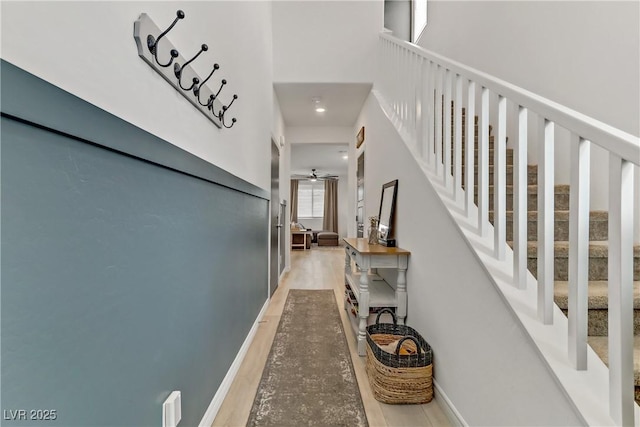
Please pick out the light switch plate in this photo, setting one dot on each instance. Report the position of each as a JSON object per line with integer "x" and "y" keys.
{"x": 172, "y": 410}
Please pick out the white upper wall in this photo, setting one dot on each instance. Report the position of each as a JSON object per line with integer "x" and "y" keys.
{"x": 87, "y": 48}
{"x": 319, "y": 134}
{"x": 582, "y": 54}
{"x": 326, "y": 41}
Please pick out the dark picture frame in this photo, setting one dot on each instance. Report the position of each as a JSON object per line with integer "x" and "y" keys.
{"x": 360, "y": 137}
{"x": 386, "y": 214}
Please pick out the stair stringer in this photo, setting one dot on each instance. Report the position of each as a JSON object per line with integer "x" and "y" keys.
{"x": 586, "y": 390}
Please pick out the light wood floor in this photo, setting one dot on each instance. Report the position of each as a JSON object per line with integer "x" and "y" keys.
{"x": 318, "y": 268}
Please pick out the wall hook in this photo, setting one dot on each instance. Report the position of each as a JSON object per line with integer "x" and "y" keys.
{"x": 194, "y": 83}
{"x": 233, "y": 122}
{"x": 196, "y": 90}
{"x": 177, "y": 69}
{"x": 222, "y": 113}
{"x": 152, "y": 43}
{"x": 224, "y": 82}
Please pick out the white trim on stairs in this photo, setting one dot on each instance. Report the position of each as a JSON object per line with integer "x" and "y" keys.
{"x": 218, "y": 398}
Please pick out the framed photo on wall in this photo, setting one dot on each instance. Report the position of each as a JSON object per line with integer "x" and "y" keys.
{"x": 360, "y": 137}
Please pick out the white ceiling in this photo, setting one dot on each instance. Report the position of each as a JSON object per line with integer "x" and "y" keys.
{"x": 343, "y": 102}
{"x": 325, "y": 158}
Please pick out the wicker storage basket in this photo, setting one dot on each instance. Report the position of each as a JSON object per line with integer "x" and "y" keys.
{"x": 397, "y": 378}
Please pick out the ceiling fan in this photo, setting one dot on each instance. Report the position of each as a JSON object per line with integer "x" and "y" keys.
{"x": 314, "y": 176}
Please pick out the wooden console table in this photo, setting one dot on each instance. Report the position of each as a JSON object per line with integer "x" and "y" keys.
{"x": 368, "y": 288}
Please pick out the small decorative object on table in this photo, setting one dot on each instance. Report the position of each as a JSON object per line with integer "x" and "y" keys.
{"x": 373, "y": 230}
{"x": 404, "y": 375}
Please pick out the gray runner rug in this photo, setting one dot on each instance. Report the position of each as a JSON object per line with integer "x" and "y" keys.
{"x": 309, "y": 379}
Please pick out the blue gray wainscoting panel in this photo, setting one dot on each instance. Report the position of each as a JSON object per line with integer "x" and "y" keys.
{"x": 130, "y": 268}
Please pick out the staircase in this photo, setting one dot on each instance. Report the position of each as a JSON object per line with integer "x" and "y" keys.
{"x": 413, "y": 87}
{"x": 598, "y": 251}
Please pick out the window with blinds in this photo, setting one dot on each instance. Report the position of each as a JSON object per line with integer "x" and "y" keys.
{"x": 310, "y": 199}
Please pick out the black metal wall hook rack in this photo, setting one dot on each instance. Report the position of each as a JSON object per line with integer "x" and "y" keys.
{"x": 197, "y": 92}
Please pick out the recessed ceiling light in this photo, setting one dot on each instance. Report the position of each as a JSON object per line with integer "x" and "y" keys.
{"x": 318, "y": 105}
{"x": 345, "y": 157}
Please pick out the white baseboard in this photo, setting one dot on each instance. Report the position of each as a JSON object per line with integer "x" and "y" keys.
{"x": 217, "y": 400}
{"x": 447, "y": 407}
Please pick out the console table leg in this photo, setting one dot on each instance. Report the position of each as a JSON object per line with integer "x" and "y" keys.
{"x": 401, "y": 295}
{"x": 363, "y": 313}
{"x": 347, "y": 270}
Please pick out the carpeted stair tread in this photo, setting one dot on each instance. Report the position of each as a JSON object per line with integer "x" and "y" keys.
{"x": 560, "y": 198}
{"x": 531, "y": 189}
{"x": 532, "y": 174}
{"x": 597, "y": 265}
{"x": 597, "y": 249}
{"x": 559, "y": 215}
{"x": 601, "y": 346}
{"x": 598, "y": 294}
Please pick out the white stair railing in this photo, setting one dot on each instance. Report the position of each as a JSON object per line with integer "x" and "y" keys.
{"x": 419, "y": 86}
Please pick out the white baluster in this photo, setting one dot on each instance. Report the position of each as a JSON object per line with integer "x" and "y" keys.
{"x": 400, "y": 82}
{"x": 483, "y": 164}
{"x": 520, "y": 191}
{"x": 621, "y": 385}
{"x": 420, "y": 110}
{"x": 579, "y": 251}
{"x": 457, "y": 151}
{"x": 384, "y": 65}
{"x": 396, "y": 79}
{"x": 407, "y": 89}
{"x": 546, "y": 220}
{"x": 500, "y": 182}
{"x": 426, "y": 107}
{"x": 404, "y": 79}
{"x": 469, "y": 150}
{"x": 433, "y": 69}
{"x": 417, "y": 90}
{"x": 413, "y": 94}
{"x": 438, "y": 123}
{"x": 446, "y": 108}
